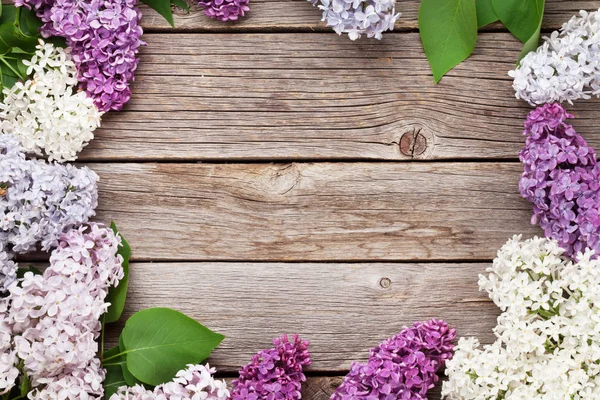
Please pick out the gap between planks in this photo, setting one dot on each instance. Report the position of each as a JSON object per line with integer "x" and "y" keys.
{"x": 342, "y": 309}
{"x": 314, "y": 212}
{"x": 266, "y": 97}
{"x": 300, "y": 15}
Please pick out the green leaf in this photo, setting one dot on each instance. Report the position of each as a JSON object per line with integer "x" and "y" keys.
{"x": 521, "y": 17}
{"x": 29, "y": 23}
{"x": 114, "y": 374}
{"x": 448, "y": 31}
{"x": 117, "y": 295}
{"x": 129, "y": 378}
{"x": 181, "y": 4}
{"x": 158, "y": 342}
{"x": 532, "y": 43}
{"x": 10, "y": 33}
{"x": 485, "y": 13}
{"x": 163, "y": 7}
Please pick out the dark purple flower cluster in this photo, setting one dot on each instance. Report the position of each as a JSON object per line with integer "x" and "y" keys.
{"x": 105, "y": 38}
{"x": 561, "y": 179}
{"x": 225, "y": 10}
{"x": 402, "y": 367}
{"x": 274, "y": 374}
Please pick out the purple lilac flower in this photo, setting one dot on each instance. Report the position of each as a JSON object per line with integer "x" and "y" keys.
{"x": 105, "y": 38}
{"x": 274, "y": 374}
{"x": 562, "y": 179}
{"x": 40, "y": 201}
{"x": 225, "y": 10}
{"x": 402, "y": 367}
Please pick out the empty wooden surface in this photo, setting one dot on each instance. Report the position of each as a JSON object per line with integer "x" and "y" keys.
{"x": 273, "y": 177}
{"x": 279, "y": 97}
{"x": 314, "y": 211}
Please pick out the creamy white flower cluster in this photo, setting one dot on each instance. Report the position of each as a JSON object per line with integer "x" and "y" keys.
{"x": 49, "y": 323}
{"x": 566, "y": 67}
{"x": 47, "y": 113}
{"x": 358, "y": 17}
{"x": 195, "y": 382}
{"x": 8, "y": 269}
{"x": 548, "y": 335}
{"x": 39, "y": 201}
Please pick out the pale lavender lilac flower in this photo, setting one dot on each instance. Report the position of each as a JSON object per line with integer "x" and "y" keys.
{"x": 52, "y": 320}
{"x": 195, "y": 382}
{"x": 105, "y": 38}
{"x": 39, "y": 201}
{"x": 562, "y": 179}
{"x": 358, "y": 17}
{"x": 225, "y": 10}
{"x": 274, "y": 374}
{"x": 402, "y": 367}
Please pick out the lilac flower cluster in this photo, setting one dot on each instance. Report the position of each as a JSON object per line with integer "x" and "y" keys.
{"x": 38, "y": 202}
{"x": 274, "y": 373}
{"x": 402, "y": 367}
{"x": 105, "y": 38}
{"x": 359, "y": 17}
{"x": 49, "y": 323}
{"x": 225, "y": 10}
{"x": 562, "y": 179}
{"x": 195, "y": 382}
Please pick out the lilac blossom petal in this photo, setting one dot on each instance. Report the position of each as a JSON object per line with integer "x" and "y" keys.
{"x": 225, "y": 10}
{"x": 562, "y": 179}
{"x": 104, "y": 36}
{"x": 402, "y": 367}
{"x": 274, "y": 373}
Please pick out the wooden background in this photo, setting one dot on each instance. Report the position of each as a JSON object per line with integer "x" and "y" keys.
{"x": 273, "y": 177}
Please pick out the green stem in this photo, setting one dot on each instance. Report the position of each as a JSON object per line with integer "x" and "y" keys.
{"x": 113, "y": 364}
{"x": 12, "y": 69}
{"x": 102, "y": 337}
{"x": 115, "y": 356}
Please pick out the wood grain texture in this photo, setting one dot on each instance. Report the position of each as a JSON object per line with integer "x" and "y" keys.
{"x": 322, "y": 387}
{"x": 343, "y": 309}
{"x": 299, "y": 15}
{"x": 280, "y": 97}
{"x": 306, "y": 212}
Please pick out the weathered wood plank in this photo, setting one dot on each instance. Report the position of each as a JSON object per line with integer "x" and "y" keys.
{"x": 343, "y": 309}
{"x": 279, "y": 96}
{"x": 300, "y": 15}
{"x": 322, "y": 387}
{"x": 314, "y": 212}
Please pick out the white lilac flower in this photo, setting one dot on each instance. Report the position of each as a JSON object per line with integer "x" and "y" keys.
{"x": 8, "y": 356}
{"x": 8, "y": 269}
{"x": 195, "y": 382}
{"x": 49, "y": 323}
{"x": 566, "y": 67}
{"x": 47, "y": 113}
{"x": 358, "y": 17}
{"x": 39, "y": 201}
{"x": 548, "y": 335}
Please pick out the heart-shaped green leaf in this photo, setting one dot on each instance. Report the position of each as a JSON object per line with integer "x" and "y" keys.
{"x": 158, "y": 342}
{"x": 117, "y": 295}
{"x": 448, "y": 31}
{"x": 485, "y": 13}
{"x": 521, "y": 17}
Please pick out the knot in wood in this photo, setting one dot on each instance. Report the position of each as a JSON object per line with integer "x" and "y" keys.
{"x": 413, "y": 143}
{"x": 385, "y": 283}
